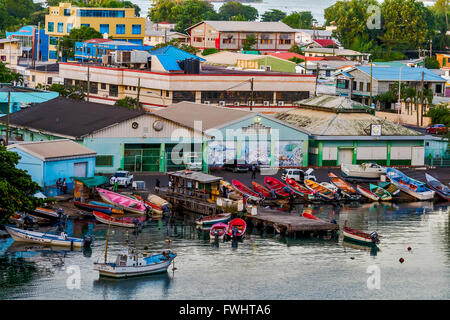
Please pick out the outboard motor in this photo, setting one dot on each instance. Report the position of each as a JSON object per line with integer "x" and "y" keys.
{"x": 374, "y": 237}
{"x": 28, "y": 220}
{"x": 87, "y": 241}
{"x": 216, "y": 236}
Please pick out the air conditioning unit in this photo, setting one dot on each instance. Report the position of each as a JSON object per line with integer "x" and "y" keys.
{"x": 222, "y": 103}
{"x": 206, "y": 102}
{"x": 251, "y": 103}
{"x": 237, "y": 104}
{"x": 266, "y": 103}
{"x": 281, "y": 103}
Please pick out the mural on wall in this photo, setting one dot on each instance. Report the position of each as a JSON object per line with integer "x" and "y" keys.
{"x": 290, "y": 154}
{"x": 256, "y": 152}
{"x": 219, "y": 151}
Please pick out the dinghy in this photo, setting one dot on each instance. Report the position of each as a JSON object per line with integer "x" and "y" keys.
{"x": 297, "y": 188}
{"x": 107, "y": 209}
{"x": 126, "y": 222}
{"x": 236, "y": 228}
{"x": 208, "y": 221}
{"x": 346, "y": 189}
{"x": 44, "y": 238}
{"x": 383, "y": 194}
{"x": 367, "y": 193}
{"x": 158, "y": 204}
{"x": 277, "y": 186}
{"x": 123, "y": 202}
{"x": 243, "y": 189}
{"x": 441, "y": 189}
{"x": 389, "y": 187}
{"x": 329, "y": 186}
{"x": 262, "y": 190}
{"x": 360, "y": 236}
{"x": 409, "y": 185}
{"x": 217, "y": 231}
{"x": 45, "y": 213}
{"x": 367, "y": 170}
{"x": 319, "y": 190}
{"x": 310, "y": 216}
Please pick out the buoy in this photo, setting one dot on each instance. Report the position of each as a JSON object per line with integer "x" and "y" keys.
{"x": 409, "y": 248}
{"x": 352, "y": 258}
{"x": 401, "y": 260}
{"x": 168, "y": 241}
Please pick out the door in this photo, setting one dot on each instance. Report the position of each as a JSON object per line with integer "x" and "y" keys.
{"x": 418, "y": 156}
{"x": 80, "y": 169}
{"x": 345, "y": 156}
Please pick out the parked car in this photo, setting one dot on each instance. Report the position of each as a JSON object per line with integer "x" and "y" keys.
{"x": 298, "y": 175}
{"x": 193, "y": 162}
{"x": 125, "y": 178}
{"x": 437, "y": 129}
{"x": 236, "y": 166}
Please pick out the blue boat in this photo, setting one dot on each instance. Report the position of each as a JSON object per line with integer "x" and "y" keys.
{"x": 411, "y": 186}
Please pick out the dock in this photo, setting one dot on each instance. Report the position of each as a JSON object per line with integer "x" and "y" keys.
{"x": 291, "y": 225}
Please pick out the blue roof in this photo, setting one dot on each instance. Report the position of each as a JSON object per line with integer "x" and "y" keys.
{"x": 176, "y": 53}
{"x": 168, "y": 62}
{"x": 407, "y": 73}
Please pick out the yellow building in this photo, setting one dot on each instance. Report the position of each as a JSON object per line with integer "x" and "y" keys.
{"x": 10, "y": 52}
{"x": 444, "y": 60}
{"x": 117, "y": 23}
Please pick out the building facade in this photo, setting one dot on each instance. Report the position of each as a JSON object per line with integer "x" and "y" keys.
{"x": 33, "y": 41}
{"x": 10, "y": 52}
{"x": 117, "y": 23}
{"x": 94, "y": 49}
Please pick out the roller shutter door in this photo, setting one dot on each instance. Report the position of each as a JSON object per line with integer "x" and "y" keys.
{"x": 371, "y": 153}
{"x": 400, "y": 153}
{"x": 329, "y": 153}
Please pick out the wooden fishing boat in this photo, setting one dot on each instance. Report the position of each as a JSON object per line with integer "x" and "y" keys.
{"x": 43, "y": 238}
{"x": 297, "y": 188}
{"x": 383, "y": 194}
{"x": 367, "y": 170}
{"x": 441, "y": 189}
{"x": 389, "y": 187}
{"x": 126, "y": 222}
{"x": 319, "y": 190}
{"x": 262, "y": 190}
{"x": 208, "y": 221}
{"x": 45, "y": 213}
{"x": 409, "y": 185}
{"x": 346, "y": 189}
{"x": 360, "y": 236}
{"x": 329, "y": 186}
{"x": 158, "y": 204}
{"x": 277, "y": 186}
{"x": 123, "y": 202}
{"x": 236, "y": 228}
{"x": 310, "y": 216}
{"x": 367, "y": 193}
{"x": 242, "y": 188}
{"x": 131, "y": 263}
{"x": 107, "y": 209}
{"x": 218, "y": 230}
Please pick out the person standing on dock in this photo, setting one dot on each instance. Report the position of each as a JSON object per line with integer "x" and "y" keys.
{"x": 253, "y": 171}
{"x": 64, "y": 186}
{"x": 116, "y": 184}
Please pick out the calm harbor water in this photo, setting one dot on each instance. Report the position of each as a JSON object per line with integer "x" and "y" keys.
{"x": 264, "y": 266}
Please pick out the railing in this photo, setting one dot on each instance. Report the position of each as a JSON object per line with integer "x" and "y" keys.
{"x": 438, "y": 161}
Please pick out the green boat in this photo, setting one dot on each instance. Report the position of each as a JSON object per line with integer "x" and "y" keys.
{"x": 380, "y": 192}
{"x": 389, "y": 187}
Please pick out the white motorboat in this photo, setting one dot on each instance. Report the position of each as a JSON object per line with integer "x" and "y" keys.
{"x": 367, "y": 170}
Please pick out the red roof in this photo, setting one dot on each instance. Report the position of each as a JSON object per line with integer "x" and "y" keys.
{"x": 324, "y": 42}
{"x": 290, "y": 55}
{"x": 97, "y": 40}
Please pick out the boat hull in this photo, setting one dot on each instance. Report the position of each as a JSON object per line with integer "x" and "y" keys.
{"x": 358, "y": 239}
{"x": 438, "y": 187}
{"x": 210, "y": 222}
{"x": 243, "y": 189}
{"x": 368, "y": 194}
{"x": 41, "y": 238}
{"x": 395, "y": 176}
{"x": 104, "y": 195}
{"x": 109, "y": 220}
{"x": 108, "y": 270}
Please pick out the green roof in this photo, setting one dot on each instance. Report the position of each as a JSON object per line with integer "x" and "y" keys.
{"x": 92, "y": 181}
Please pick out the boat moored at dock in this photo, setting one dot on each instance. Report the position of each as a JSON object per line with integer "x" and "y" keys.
{"x": 441, "y": 189}
{"x": 367, "y": 170}
{"x": 122, "y": 201}
{"x": 411, "y": 186}
{"x": 367, "y": 193}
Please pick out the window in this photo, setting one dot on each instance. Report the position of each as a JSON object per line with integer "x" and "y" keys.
{"x": 327, "y": 73}
{"x": 198, "y": 39}
{"x": 69, "y": 27}
{"x": 355, "y": 83}
{"x": 113, "y": 90}
{"x": 68, "y": 82}
{"x": 49, "y": 80}
{"x": 136, "y": 29}
{"x": 285, "y": 41}
{"x": 179, "y": 96}
{"x": 67, "y": 12}
{"x": 361, "y": 86}
{"x": 103, "y": 86}
{"x": 229, "y": 41}
{"x": 52, "y": 55}
{"x": 368, "y": 86}
{"x": 104, "y": 161}
{"x": 101, "y": 13}
{"x": 33, "y": 78}
{"x": 54, "y": 41}
{"x": 93, "y": 86}
{"x": 50, "y": 27}
{"x": 342, "y": 84}
{"x": 120, "y": 29}
{"x": 438, "y": 88}
{"x": 60, "y": 27}
{"x": 104, "y": 28}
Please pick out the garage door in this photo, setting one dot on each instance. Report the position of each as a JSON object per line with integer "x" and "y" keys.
{"x": 345, "y": 156}
{"x": 80, "y": 169}
{"x": 400, "y": 153}
{"x": 329, "y": 153}
{"x": 418, "y": 156}
{"x": 371, "y": 153}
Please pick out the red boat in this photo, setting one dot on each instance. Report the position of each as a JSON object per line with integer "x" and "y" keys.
{"x": 262, "y": 190}
{"x": 308, "y": 215}
{"x": 299, "y": 189}
{"x": 277, "y": 186}
{"x": 236, "y": 224}
{"x": 242, "y": 188}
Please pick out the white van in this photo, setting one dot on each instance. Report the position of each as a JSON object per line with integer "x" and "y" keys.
{"x": 298, "y": 174}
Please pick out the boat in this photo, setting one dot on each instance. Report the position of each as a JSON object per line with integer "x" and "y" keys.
{"x": 297, "y": 188}
{"x": 218, "y": 230}
{"x": 130, "y": 263}
{"x": 262, "y": 190}
{"x": 231, "y": 191}
{"x": 126, "y": 222}
{"x": 243, "y": 189}
{"x": 441, "y": 189}
{"x": 103, "y": 204}
{"x": 383, "y": 194}
{"x": 346, "y": 189}
{"x": 158, "y": 204}
{"x": 277, "y": 186}
{"x": 389, "y": 187}
{"x": 367, "y": 170}
{"x": 44, "y": 237}
{"x": 123, "y": 202}
{"x": 360, "y": 236}
{"x": 107, "y": 209}
{"x": 329, "y": 186}
{"x": 319, "y": 190}
{"x": 45, "y": 213}
{"x": 367, "y": 193}
{"x": 409, "y": 185}
{"x": 236, "y": 228}
{"x": 208, "y": 221}
{"x": 310, "y": 216}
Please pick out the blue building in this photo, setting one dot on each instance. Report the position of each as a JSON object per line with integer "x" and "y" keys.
{"x": 94, "y": 49}
{"x": 29, "y": 37}
{"x": 47, "y": 161}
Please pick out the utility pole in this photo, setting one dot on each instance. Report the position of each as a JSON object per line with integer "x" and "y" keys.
{"x": 421, "y": 103}
{"x": 306, "y": 71}
{"x": 370, "y": 97}
{"x": 431, "y": 47}
{"x": 7, "y": 118}
{"x": 317, "y": 77}
{"x": 38, "y": 39}
{"x": 251, "y": 96}
{"x": 88, "y": 84}
{"x": 138, "y": 92}
{"x": 399, "y": 95}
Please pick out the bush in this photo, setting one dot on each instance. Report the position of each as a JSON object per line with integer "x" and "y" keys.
{"x": 209, "y": 51}
{"x": 432, "y": 63}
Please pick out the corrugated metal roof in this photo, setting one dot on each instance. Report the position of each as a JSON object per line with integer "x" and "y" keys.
{"x": 247, "y": 26}
{"x": 168, "y": 62}
{"x": 407, "y": 73}
{"x": 178, "y": 54}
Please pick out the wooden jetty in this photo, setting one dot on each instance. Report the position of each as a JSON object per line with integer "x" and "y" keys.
{"x": 291, "y": 225}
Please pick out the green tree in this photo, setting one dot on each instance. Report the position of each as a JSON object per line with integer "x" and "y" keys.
{"x": 440, "y": 114}
{"x": 231, "y": 9}
{"x": 208, "y": 51}
{"x": 432, "y": 63}
{"x": 67, "y": 44}
{"x": 162, "y": 11}
{"x": 273, "y": 15}
{"x": 71, "y": 92}
{"x": 295, "y": 48}
{"x": 16, "y": 187}
{"x": 129, "y": 103}
{"x": 239, "y": 17}
{"x": 249, "y": 42}
{"x": 300, "y": 20}
{"x": 8, "y": 76}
